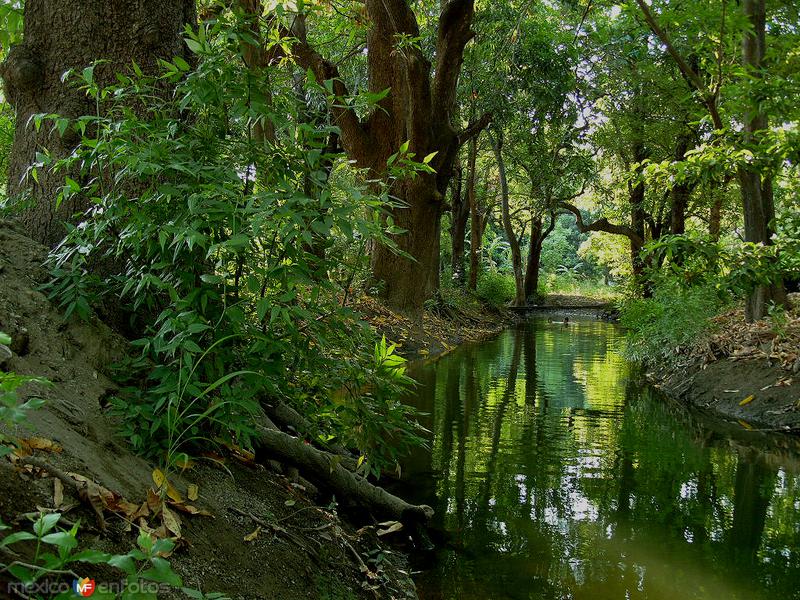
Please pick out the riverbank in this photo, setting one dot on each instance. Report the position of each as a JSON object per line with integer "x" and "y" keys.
{"x": 440, "y": 331}
{"x": 242, "y": 524}
{"x": 745, "y": 372}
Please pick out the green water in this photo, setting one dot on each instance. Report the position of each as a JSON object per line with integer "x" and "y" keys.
{"x": 556, "y": 474}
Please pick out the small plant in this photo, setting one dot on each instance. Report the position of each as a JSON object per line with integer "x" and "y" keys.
{"x": 495, "y": 289}
{"x": 12, "y": 411}
{"x": 778, "y": 320}
{"x": 54, "y": 557}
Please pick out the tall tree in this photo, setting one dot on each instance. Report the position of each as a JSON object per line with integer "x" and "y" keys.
{"x": 757, "y": 196}
{"x": 418, "y": 109}
{"x": 58, "y": 37}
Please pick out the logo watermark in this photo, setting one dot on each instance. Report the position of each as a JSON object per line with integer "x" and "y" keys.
{"x": 84, "y": 587}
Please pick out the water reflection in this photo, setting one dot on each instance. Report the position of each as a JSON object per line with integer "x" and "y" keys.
{"x": 555, "y": 475}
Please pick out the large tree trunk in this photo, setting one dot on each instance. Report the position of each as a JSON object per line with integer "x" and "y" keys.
{"x": 511, "y": 236}
{"x": 408, "y": 283}
{"x": 418, "y": 110}
{"x": 636, "y": 200}
{"x": 715, "y": 214}
{"x": 459, "y": 215}
{"x": 680, "y": 193}
{"x": 65, "y": 35}
{"x": 757, "y": 200}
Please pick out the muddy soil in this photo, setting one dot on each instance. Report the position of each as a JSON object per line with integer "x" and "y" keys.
{"x": 303, "y": 549}
{"x": 725, "y": 387}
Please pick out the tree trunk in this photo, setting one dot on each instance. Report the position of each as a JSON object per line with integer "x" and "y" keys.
{"x": 476, "y": 225}
{"x": 65, "y": 35}
{"x": 680, "y": 193}
{"x": 538, "y": 236}
{"x": 636, "y": 200}
{"x": 516, "y": 255}
{"x": 408, "y": 283}
{"x": 715, "y": 214}
{"x": 757, "y": 200}
{"x": 459, "y": 214}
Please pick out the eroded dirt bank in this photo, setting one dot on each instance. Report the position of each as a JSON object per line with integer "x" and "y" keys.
{"x": 255, "y": 534}
{"x": 749, "y": 373}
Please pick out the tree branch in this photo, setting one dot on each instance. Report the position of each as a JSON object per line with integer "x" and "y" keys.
{"x": 455, "y": 31}
{"x": 355, "y": 138}
{"x": 710, "y": 100}
{"x": 602, "y": 225}
{"x": 474, "y": 128}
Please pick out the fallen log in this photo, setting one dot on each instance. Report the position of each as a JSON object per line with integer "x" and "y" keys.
{"x": 325, "y": 469}
{"x": 291, "y": 419}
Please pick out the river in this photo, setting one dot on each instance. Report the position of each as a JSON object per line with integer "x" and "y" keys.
{"x": 556, "y": 473}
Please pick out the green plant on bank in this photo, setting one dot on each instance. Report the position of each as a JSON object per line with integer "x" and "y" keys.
{"x": 778, "y": 320}
{"x": 54, "y": 558}
{"x": 495, "y": 288}
{"x": 12, "y": 412}
{"x": 674, "y": 317}
{"x": 219, "y": 248}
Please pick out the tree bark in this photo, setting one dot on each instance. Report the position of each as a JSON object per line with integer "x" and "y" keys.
{"x": 715, "y": 216}
{"x": 757, "y": 200}
{"x": 681, "y": 192}
{"x": 511, "y": 236}
{"x": 65, "y": 35}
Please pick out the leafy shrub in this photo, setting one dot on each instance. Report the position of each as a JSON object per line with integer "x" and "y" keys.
{"x": 142, "y": 565}
{"x": 674, "y": 317}
{"x": 495, "y": 289}
{"x": 221, "y": 245}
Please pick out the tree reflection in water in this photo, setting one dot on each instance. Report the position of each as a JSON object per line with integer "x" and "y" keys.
{"x": 556, "y": 474}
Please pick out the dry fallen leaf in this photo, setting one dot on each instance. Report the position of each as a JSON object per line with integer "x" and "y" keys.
{"x": 58, "y": 492}
{"x": 252, "y": 535}
{"x": 192, "y": 491}
{"x": 747, "y": 400}
{"x": 396, "y": 526}
{"x": 39, "y": 443}
{"x": 190, "y": 509}
{"x": 161, "y": 483}
{"x": 172, "y": 522}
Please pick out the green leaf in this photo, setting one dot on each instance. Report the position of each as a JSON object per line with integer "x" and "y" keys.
{"x": 61, "y": 539}
{"x": 162, "y": 572}
{"x": 124, "y": 563}
{"x": 20, "y": 536}
{"x": 45, "y": 523}
{"x": 91, "y": 557}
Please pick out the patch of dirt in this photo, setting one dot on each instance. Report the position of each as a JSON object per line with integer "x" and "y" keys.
{"x": 567, "y": 301}
{"x": 749, "y": 372}
{"x": 301, "y": 550}
{"x": 438, "y": 333}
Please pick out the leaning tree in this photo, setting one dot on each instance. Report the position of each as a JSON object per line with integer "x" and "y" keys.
{"x": 72, "y": 35}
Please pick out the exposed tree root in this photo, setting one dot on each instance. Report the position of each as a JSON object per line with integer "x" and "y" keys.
{"x": 326, "y": 469}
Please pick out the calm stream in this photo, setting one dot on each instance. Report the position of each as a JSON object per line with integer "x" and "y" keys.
{"x": 556, "y": 474}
